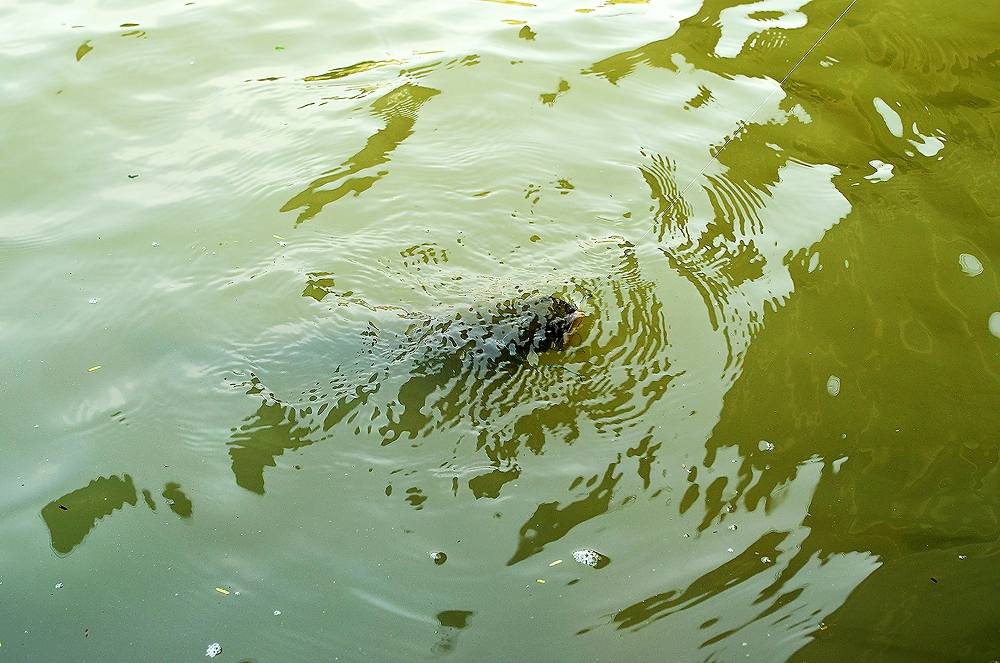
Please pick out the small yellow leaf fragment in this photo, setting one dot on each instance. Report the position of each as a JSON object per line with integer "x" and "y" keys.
{"x": 85, "y": 48}
{"x": 94, "y": 368}
{"x": 540, "y": 581}
{"x": 224, "y": 592}
{"x": 277, "y": 237}
{"x": 556, "y": 563}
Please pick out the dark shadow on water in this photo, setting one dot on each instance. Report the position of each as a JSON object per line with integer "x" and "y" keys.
{"x": 399, "y": 109}
{"x": 551, "y": 522}
{"x": 177, "y": 500}
{"x": 70, "y": 518}
{"x": 73, "y": 516}
{"x": 451, "y": 621}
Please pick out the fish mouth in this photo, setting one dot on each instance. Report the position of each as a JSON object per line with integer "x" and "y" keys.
{"x": 575, "y": 322}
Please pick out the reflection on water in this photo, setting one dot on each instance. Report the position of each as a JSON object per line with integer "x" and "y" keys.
{"x": 727, "y": 229}
{"x": 451, "y": 622}
{"x": 399, "y": 110}
{"x": 71, "y": 518}
{"x": 775, "y": 415}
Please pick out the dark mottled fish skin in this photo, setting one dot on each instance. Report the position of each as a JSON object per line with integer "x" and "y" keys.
{"x": 509, "y": 331}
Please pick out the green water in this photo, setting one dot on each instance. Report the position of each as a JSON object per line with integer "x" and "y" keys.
{"x": 230, "y": 231}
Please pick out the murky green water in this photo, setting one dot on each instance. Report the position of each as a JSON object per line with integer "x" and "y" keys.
{"x": 247, "y": 251}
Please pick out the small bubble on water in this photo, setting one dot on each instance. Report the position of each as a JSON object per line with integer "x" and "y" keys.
{"x": 994, "y": 324}
{"x": 59, "y": 585}
{"x": 155, "y": 244}
{"x": 277, "y": 612}
{"x": 733, "y": 527}
{"x": 765, "y": 559}
{"x": 833, "y": 385}
{"x": 963, "y": 556}
{"x": 93, "y": 300}
{"x": 764, "y": 445}
{"x": 970, "y": 264}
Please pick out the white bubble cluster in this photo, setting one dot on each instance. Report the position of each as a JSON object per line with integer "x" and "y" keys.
{"x": 588, "y": 557}
{"x": 213, "y": 650}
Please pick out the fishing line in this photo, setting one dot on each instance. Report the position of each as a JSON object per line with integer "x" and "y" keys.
{"x": 715, "y": 157}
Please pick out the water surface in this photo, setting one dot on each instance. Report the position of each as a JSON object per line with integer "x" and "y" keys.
{"x": 239, "y": 243}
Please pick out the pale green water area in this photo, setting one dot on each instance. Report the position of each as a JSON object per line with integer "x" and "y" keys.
{"x": 257, "y": 261}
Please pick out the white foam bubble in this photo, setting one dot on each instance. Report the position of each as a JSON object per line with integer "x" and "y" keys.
{"x": 970, "y": 264}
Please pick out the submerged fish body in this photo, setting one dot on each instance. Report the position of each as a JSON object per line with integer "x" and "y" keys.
{"x": 431, "y": 374}
{"x": 509, "y": 331}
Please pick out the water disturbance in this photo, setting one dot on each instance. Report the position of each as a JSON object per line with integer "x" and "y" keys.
{"x": 672, "y": 326}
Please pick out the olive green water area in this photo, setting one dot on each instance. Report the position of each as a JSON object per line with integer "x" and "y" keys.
{"x": 257, "y": 261}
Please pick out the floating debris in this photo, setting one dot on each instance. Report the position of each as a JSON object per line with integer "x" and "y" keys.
{"x": 223, "y": 591}
{"x": 540, "y": 581}
{"x": 84, "y": 48}
{"x": 94, "y": 368}
{"x": 213, "y": 650}
{"x": 833, "y": 385}
{"x": 970, "y": 264}
{"x": 764, "y": 445}
{"x": 765, "y": 559}
{"x": 555, "y": 563}
{"x": 132, "y": 176}
{"x": 994, "y": 324}
{"x": 592, "y": 558}
{"x": 439, "y": 557}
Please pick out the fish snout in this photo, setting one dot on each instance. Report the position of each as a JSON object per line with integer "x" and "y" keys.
{"x": 576, "y": 319}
